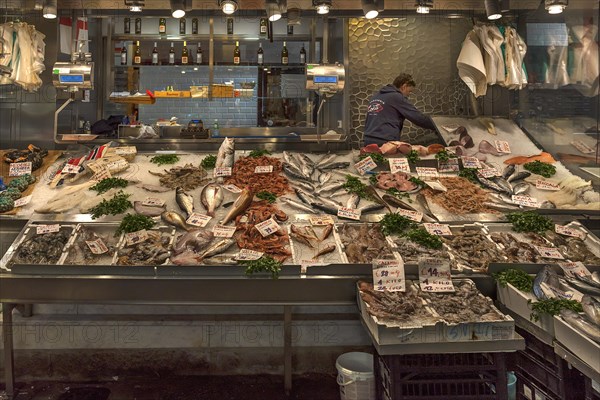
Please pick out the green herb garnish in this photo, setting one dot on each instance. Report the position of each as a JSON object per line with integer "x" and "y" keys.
{"x": 108, "y": 183}
{"x": 413, "y": 157}
{"x": 541, "y": 168}
{"x": 444, "y": 156}
{"x": 268, "y": 196}
{"x": 552, "y": 307}
{"x": 117, "y": 205}
{"x": 209, "y": 162}
{"x": 395, "y": 224}
{"x": 354, "y": 185}
{"x": 400, "y": 195}
{"x": 416, "y": 181}
{"x": 263, "y": 264}
{"x": 470, "y": 174}
{"x": 516, "y": 277}
{"x": 165, "y": 159}
{"x": 373, "y": 179}
{"x": 259, "y": 153}
{"x": 421, "y": 236}
{"x": 134, "y": 223}
{"x": 529, "y": 221}
{"x": 376, "y": 157}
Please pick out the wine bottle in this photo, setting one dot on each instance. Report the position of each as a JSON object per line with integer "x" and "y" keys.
{"x": 137, "y": 55}
{"x": 194, "y": 26}
{"x": 230, "y": 26}
{"x": 182, "y": 26}
{"x": 162, "y": 25}
{"x": 290, "y": 29}
{"x": 172, "y": 55}
{"x": 284, "y": 55}
{"x": 184, "y": 54}
{"x": 124, "y": 54}
{"x": 236, "y": 53}
{"x": 302, "y": 55}
{"x": 127, "y": 26}
{"x": 138, "y": 26}
{"x": 199, "y": 54}
{"x": 261, "y": 54}
{"x": 263, "y": 26}
{"x": 155, "y": 55}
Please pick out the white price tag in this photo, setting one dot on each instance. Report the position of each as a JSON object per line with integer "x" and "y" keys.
{"x": 267, "y": 227}
{"x": 438, "y": 229}
{"x": 488, "y": 172}
{"x": 470, "y": 162}
{"x": 427, "y": 172}
{"x": 410, "y": 214}
{"x": 574, "y": 269}
{"x": 222, "y": 171}
{"x": 97, "y": 246}
{"x": 19, "y": 168}
{"x": 549, "y": 252}
{"x": 118, "y": 165}
{"x": 153, "y": 201}
{"x": 23, "y": 201}
{"x": 546, "y": 185}
{"x": 232, "y": 188}
{"x": 197, "y": 219}
{"x": 566, "y": 231}
{"x": 102, "y": 173}
{"x": 223, "y": 231}
{"x": 71, "y": 169}
{"x": 526, "y": 201}
{"x": 436, "y": 185}
{"x": 502, "y": 146}
{"x": 399, "y": 165}
{"x": 133, "y": 238}
{"x": 43, "y": 229}
{"x": 248, "y": 255}
{"x": 435, "y": 276}
{"x": 364, "y": 165}
{"x": 263, "y": 169}
{"x": 125, "y": 150}
{"x": 350, "y": 213}
{"x": 582, "y": 147}
{"x": 389, "y": 275}
{"x": 448, "y": 166}
{"x": 321, "y": 220}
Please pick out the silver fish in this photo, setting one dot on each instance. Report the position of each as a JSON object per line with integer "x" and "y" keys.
{"x": 587, "y": 279}
{"x": 545, "y": 284}
{"x": 326, "y": 160}
{"x": 304, "y": 196}
{"x": 591, "y": 308}
{"x": 217, "y": 248}
{"x": 501, "y": 198}
{"x": 581, "y": 325}
{"x": 501, "y": 207}
{"x": 175, "y": 219}
{"x": 198, "y": 237}
{"x": 306, "y": 160}
{"x": 596, "y": 276}
{"x": 149, "y": 211}
{"x": 330, "y": 202}
{"x": 295, "y": 204}
{"x": 291, "y": 160}
{"x": 295, "y": 173}
{"x": 396, "y": 202}
{"x": 582, "y": 286}
{"x": 371, "y": 207}
{"x": 330, "y": 187}
{"x": 324, "y": 207}
{"x": 508, "y": 171}
{"x": 520, "y": 188}
{"x": 219, "y": 260}
{"x": 336, "y": 165}
{"x": 303, "y": 185}
{"x": 211, "y": 198}
{"x": 239, "y": 206}
{"x": 338, "y": 193}
{"x": 324, "y": 177}
{"x": 491, "y": 185}
{"x": 155, "y": 188}
{"x": 517, "y": 176}
{"x": 226, "y": 154}
{"x": 503, "y": 183}
{"x": 184, "y": 201}
{"x": 353, "y": 201}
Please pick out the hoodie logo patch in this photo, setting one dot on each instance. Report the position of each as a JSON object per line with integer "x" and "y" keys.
{"x": 375, "y": 107}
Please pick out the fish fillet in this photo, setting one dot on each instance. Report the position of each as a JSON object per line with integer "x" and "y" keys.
{"x": 519, "y": 160}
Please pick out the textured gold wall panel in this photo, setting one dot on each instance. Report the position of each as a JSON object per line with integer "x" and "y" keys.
{"x": 426, "y": 47}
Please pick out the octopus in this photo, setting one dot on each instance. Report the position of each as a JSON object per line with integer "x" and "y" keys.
{"x": 399, "y": 181}
{"x": 153, "y": 251}
{"x": 473, "y": 249}
{"x": 80, "y": 252}
{"x": 411, "y": 252}
{"x": 573, "y": 248}
{"x": 364, "y": 243}
{"x": 462, "y": 197}
{"x": 248, "y": 237}
{"x": 187, "y": 177}
{"x": 244, "y": 175}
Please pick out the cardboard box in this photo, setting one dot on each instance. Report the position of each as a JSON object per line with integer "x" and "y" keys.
{"x": 222, "y": 90}
{"x": 579, "y": 344}
{"x": 518, "y": 302}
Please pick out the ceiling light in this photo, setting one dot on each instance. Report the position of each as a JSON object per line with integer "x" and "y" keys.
{"x": 369, "y": 9}
{"x": 50, "y": 10}
{"x": 228, "y": 6}
{"x": 424, "y": 6}
{"x": 492, "y": 9}
{"x": 177, "y": 8}
{"x": 135, "y": 5}
{"x": 504, "y": 6}
{"x": 556, "y": 6}
{"x": 273, "y": 12}
{"x": 322, "y": 6}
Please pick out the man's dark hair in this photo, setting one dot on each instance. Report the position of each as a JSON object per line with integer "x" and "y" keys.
{"x": 402, "y": 79}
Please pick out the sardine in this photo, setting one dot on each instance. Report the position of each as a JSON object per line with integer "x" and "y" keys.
{"x": 303, "y": 185}
{"x": 239, "y": 206}
{"x": 326, "y": 160}
{"x": 211, "y": 198}
{"x": 295, "y": 204}
{"x": 325, "y": 250}
{"x": 149, "y": 211}
{"x": 517, "y": 176}
{"x": 326, "y": 232}
{"x": 591, "y": 308}
{"x": 175, "y": 219}
{"x": 199, "y": 238}
{"x": 580, "y": 324}
{"x": 371, "y": 207}
{"x": 304, "y": 196}
{"x": 155, "y": 188}
{"x": 503, "y": 183}
{"x": 521, "y": 188}
{"x": 353, "y": 201}
{"x": 217, "y": 248}
{"x": 291, "y": 160}
{"x": 508, "y": 171}
{"x": 492, "y": 185}
{"x": 330, "y": 187}
{"x": 184, "y": 201}
{"x": 324, "y": 177}
{"x": 295, "y": 173}
{"x": 304, "y": 159}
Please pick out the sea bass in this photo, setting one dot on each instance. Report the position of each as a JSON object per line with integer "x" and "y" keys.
{"x": 211, "y": 198}
{"x": 226, "y": 154}
{"x": 184, "y": 201}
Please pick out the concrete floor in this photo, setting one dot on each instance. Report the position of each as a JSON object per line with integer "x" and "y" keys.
{"x": 263, "y": 387}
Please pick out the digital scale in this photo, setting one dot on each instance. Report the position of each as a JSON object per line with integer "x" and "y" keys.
{"x": 327, "y": 80}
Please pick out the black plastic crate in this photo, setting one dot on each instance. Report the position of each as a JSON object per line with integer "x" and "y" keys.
{"x": 463, "y": 376}
{"x": 590, "y": 392}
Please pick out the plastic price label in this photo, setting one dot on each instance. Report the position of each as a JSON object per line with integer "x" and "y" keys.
{"x": 97, "y": 246}
{"x": 153, "y": 202}
{"x": 223, "y": 231}
{"x": 546, "y": 185}
{"x": 526, "y": 201}
{"x": 267, "y": 227}
{"x": 438, "y": 229}
{"x": 470, "y": 162}
{"x": 248, "y": 255}
{"x": 197, "y": 219}
{"x": 232, "y": 188}
{"x": 389, "y": 275}
{"x": 488, "y": 172}
{"x": 549, "y": 252}
{"x": 574, "y": 269}
{"x": 435, "y": 275}
{"x": 410, "y": 214}
{"x": 23, "y": 201}
{"x": 399, "y": 165}
{"x": 43, "y": 229}
{"x": 19, "y": 168}
{"x": 263, "y": 169}
{"x": 321, "y": 220}
{"x": 365, "y": 165}
{"x": 222, "y": 171}
{"x": 448, "y": 166}
{"x": 566, "y": 231}
{"x": 427, "y": 172}
{"x": 502, "y": 146}
{"x": 71, "y": 169}
{"x": 136, "y": 237}
{"x": 350, "y": 213}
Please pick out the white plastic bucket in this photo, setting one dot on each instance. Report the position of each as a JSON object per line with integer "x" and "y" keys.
{"x": 355, "y": 376}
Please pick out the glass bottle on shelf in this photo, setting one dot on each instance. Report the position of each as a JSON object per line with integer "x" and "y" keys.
{"x": 216, "y": 132}
{"x": 162, "y": 25}
{"x": 302, "y": 55}
{"x": 137, "y": 55}
{"x": 290, "y": 29}
{"x": 127, "y": 26}
{"x": 236, "y": 53}
{"x": 124, "y": 54}
{"x": 184, "y": 54}
{"x": 155, "y": 55}
{"x": 138, "y": 26}
{"x": 284, "y": 55}
{"x": 199, "y": 54}
{"x": 230, "y": 26}
{"x": 260, "y": 54}
{"x": 182, "y": 26}
{"x": 172, "y": 55}
{"x": 263, "y": 26}
{"x": 194, "y": 26}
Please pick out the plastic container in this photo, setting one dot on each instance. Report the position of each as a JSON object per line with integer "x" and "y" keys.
{"x": 356, "y": 376}
{"x": 511, "y": 380}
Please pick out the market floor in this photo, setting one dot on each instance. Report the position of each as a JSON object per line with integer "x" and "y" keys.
{"x": 263, "y": 387}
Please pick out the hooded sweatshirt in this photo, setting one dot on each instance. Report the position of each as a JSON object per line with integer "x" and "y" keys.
{"x": 386, "y": 114}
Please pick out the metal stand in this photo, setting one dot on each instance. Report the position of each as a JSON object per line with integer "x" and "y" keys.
{"x": 287, "y": 349}
{"x": 65, "y": 104}
{"x": 7, "y": 341}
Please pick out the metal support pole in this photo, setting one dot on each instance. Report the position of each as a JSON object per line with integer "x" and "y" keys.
{"x": 287, "y": 349}
{"x": 26, "y": 310}
{"x": 7, "y": 340}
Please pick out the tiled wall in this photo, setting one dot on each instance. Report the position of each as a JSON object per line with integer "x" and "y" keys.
{"x": 230, "y": 112}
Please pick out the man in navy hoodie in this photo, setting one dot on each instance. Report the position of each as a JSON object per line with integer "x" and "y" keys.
{"x": 389, "y": 108}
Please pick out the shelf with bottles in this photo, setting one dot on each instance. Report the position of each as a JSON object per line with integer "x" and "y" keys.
{"x": 217, "y": 37}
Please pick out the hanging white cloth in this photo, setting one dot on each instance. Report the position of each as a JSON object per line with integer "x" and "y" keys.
{"x": 8, "y": 49}
{"x": 491, "y": 39}
{"x": 515, "y": 50}
{"x": 471, "y": 66}
{"x": 26, "y": 56}
{"x": 586, "y": 67}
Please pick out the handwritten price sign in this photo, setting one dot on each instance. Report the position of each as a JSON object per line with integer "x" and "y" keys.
{"x": 438, "y": 229}
{"x": 399, "y": 165}
{"x": 410, "y": 214}
{"x": 566, "y": 231}
{"x": 582, "y": 147}
{"x": 43, "y": 229}
{"x": 470, "y": 162}
{"x": 488, "y": 172}
{"x": 435, "y": 275}
{"x": 502, "y": 146}
{"x": 222, "y": 171}
{"x": 574, "y": 269}
{"x": 448, "y": 166}
{"x": 97, "y": 246}
{"x": 223, "y": 231}
{"x": 427, "y": 172}
{"x": 153, "y": 202}
{"x": 23, "y": 201}
{"x": 389, "y": 275}
{"x": 546, "y": 185}
{"x": 267, "y": 227}
{"x": 232, "y": 188}
{"x": 248, "y": 255}
{"x": 350, "y": 213}
{"x": 197, "y": 219}
{"x": 549, "y": 252}
{"x": 321, "y": 220}
{"x": 136, "y": 237}
{"x": 365, "y": 165}
{"x": 263, "y": 169}
{"x": 526, "y": 201}
{"x": 19, "y": 168}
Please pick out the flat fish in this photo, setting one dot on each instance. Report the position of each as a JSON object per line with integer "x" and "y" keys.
{"x": 211, "y": 198}
{"x": 155, "y": 188}
{"x": 175, "y": 219}
{"x": 184, "y": 201}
